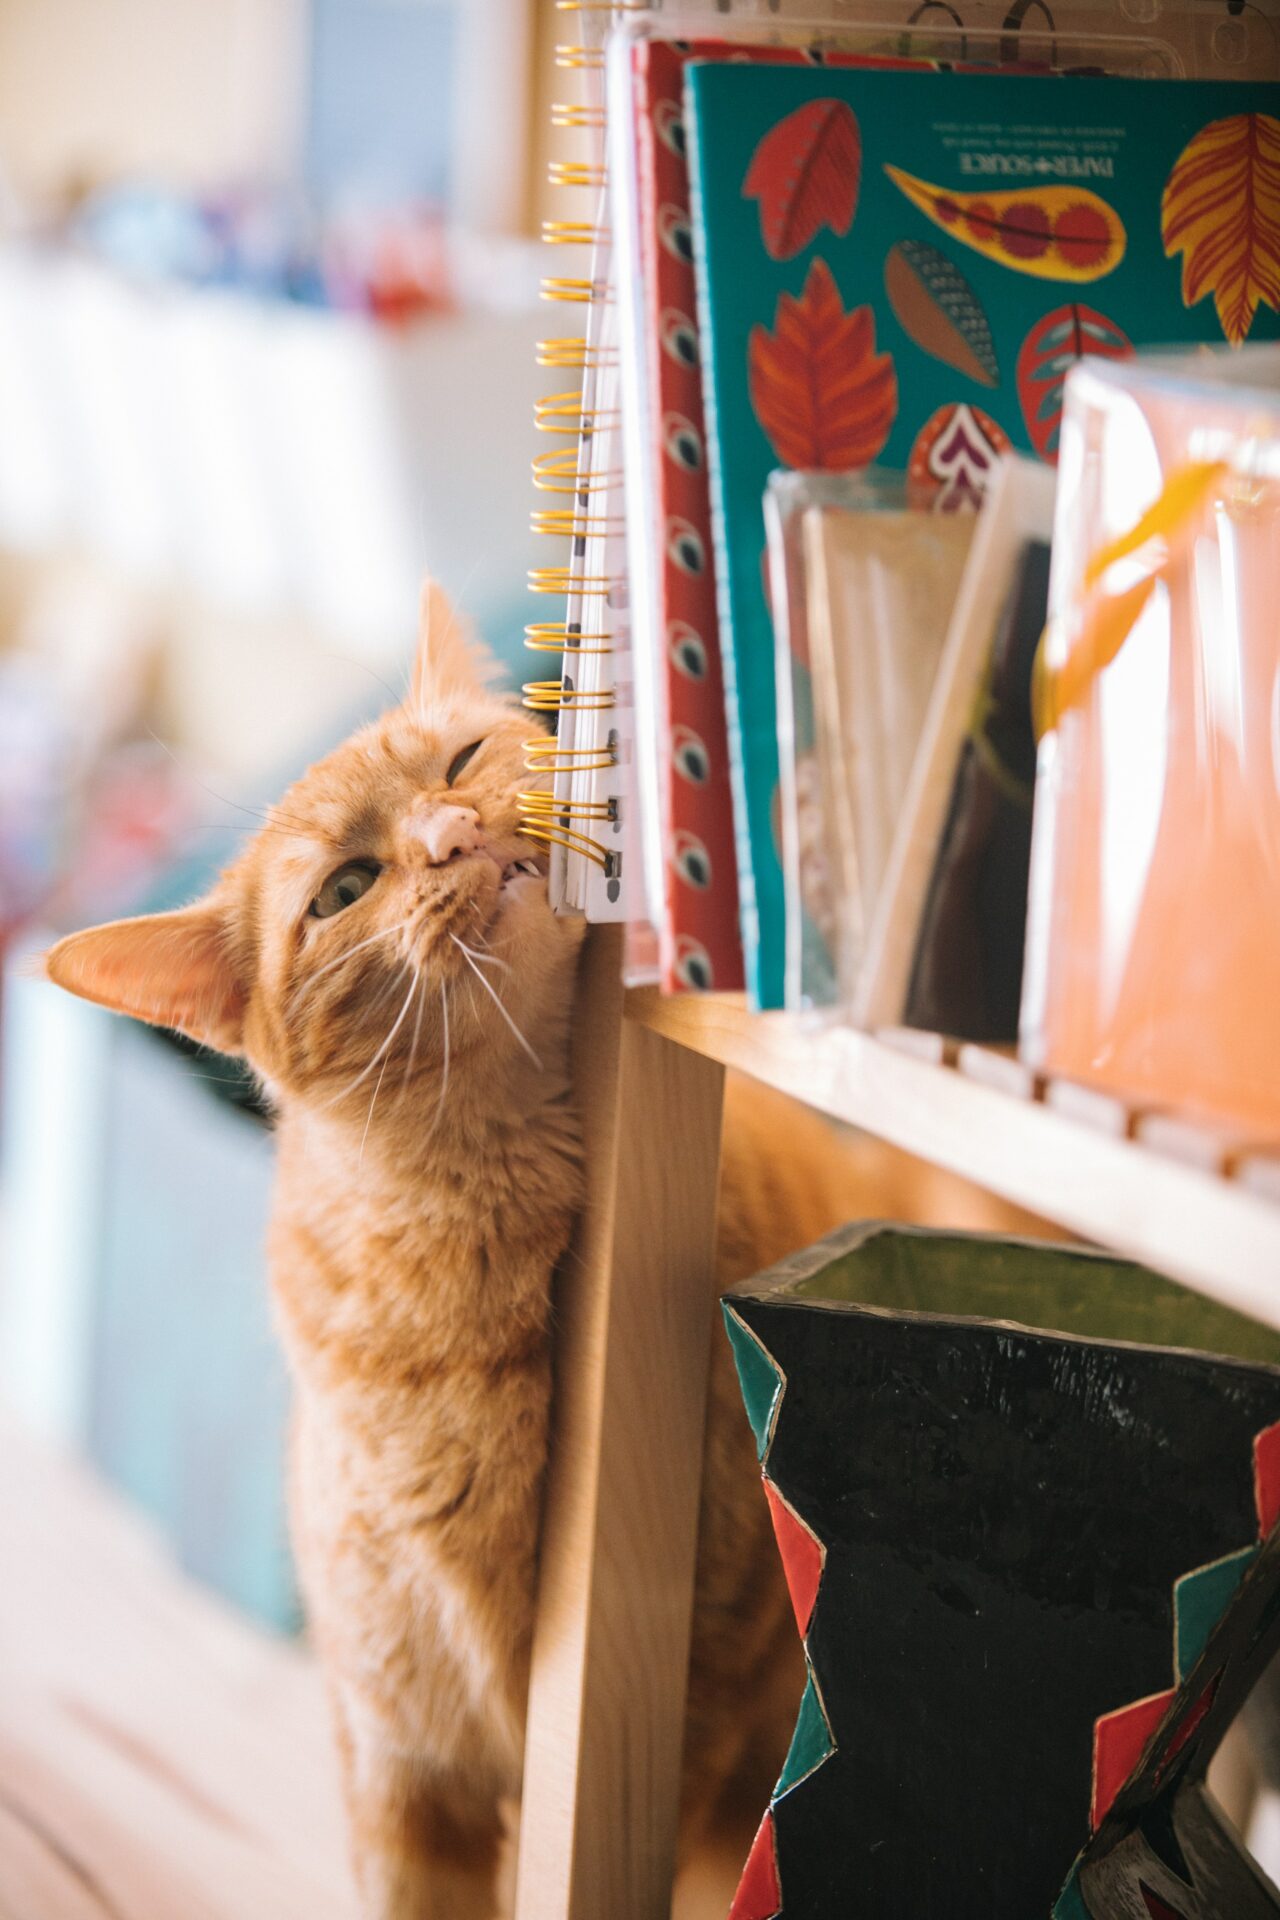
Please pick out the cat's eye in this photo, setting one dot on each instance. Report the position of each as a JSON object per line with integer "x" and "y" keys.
{"x": 344, "y": 887}
{"x": 461, "y": 761}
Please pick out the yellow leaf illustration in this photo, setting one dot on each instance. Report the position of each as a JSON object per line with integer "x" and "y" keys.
{"x": 1221, "y": 211}
{"x": 1054, "y": 233}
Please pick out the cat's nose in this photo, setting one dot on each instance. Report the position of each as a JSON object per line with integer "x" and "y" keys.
{"x": 446, "y": 831}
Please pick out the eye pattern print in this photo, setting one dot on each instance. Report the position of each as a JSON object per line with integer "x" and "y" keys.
{"x": 686, "y": 548}
{"x": 687, "y": 650}
{"x": 679, "y": 337}
{"x": 682, "y": 441}
{"x": 699, "y": 943}
{"x": 690, "y": 755}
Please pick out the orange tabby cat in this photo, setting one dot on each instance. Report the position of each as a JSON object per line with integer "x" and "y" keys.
{"x": 384, "y": 955}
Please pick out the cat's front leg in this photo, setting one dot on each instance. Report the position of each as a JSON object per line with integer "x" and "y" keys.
{"x": 424, "y": 1849}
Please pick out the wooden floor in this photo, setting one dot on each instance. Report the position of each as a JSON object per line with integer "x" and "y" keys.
{"x": 159, "y": 1758}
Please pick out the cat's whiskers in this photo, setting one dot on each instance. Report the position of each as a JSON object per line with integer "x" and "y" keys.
{"x": 413, "y": 988}
{"x": 444, "y": 1064}
{"x": 371, "y": 1064}
{"x": 421, "y": 980}
{"x": 484, "y": 982}
{"x": 384, "y": 933}
{"x": 486, "y": 959}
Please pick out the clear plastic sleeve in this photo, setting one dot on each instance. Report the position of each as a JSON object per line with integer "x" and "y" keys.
{"x": 870, "y": 584}
{"x": 1154, "y": 921}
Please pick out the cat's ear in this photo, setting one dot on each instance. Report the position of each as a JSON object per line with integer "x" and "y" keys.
{"x": 451, "y": 664}
{"x": 171, "y": 969}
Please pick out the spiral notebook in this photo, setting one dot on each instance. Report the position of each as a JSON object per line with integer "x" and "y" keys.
{"x": 580, "y": 800}
{"x": 575, "y": 803}
{"x": 583, "y": 801}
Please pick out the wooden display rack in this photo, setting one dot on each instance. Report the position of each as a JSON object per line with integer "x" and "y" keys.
{"x": 606, "y": 1702}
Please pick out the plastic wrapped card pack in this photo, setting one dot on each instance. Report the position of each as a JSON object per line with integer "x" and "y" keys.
{"x": 1153, "y": 939}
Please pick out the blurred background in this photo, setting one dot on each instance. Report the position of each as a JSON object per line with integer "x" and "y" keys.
{"x": 268, "y": 305}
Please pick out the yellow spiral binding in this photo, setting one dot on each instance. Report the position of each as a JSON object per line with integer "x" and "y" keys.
{"x": 551, "y": 696}
{"x": 573, "y": 352}
{"x": 545, "y": 755}
{"x": 546, "y": 803}
{"x": 554, "y": 636}
{"x": 565, "y": 413}
{"x": 571, "y": 523}
{"x": 588, "y": 586}
{"x": 576, "y": 118}
{"x": 564, "y": 470}
{"x": 557, "y": 472}
{"x": 574, "y": 292}
{"x": 534, "y": 827}
{"x": 575, "y": 173}
{"x": 573, "y": 233}
{"x": 580, "y": 58}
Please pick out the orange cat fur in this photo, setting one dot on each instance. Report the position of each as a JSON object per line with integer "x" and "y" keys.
{"x": 429, "y": 1173}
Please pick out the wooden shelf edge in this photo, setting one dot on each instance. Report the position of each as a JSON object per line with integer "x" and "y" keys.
{"x": 1212, "y": 1233}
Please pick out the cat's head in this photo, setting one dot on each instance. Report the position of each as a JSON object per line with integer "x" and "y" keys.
{"x": 388, "y": 917}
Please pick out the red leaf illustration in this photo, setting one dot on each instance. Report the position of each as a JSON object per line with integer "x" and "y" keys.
{"x": 1047, "y": 356}
{"x": 825, "y": 398}
{"x": 805, "y": 174}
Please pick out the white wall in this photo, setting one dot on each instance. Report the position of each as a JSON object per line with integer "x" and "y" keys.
{"x": 203, "y": 91}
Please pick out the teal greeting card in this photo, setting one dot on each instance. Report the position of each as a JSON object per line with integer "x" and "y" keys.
{"x": 902, "y": 267}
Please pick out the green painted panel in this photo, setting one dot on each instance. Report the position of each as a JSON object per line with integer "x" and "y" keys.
{"x": 810, "y": 1743}
{"x": 1199, "y": 1602}
{"x": 759, "y": 1378}
{"x": 1069, "y": 1904}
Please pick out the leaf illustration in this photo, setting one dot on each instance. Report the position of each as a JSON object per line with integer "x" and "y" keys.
{"x": 1046, "y": 357}
{"x": 1221, "y": 211}
{"x": 805, "y": 174}
{"x": 1054, "y": 233}
{"x": 939, "y": 310}
{"x": 954, "y": 457}
{"x": 823, "y": 395}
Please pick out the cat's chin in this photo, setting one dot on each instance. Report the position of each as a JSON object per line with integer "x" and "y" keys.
{"x": 520, "y": 887}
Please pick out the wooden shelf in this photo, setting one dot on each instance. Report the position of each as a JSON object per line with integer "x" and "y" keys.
{"x": 1188, "y": 1202}
{"x": 610, "y": 1651}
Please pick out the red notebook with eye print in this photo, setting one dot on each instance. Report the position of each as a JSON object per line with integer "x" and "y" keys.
{"x": 699, "y": 944}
